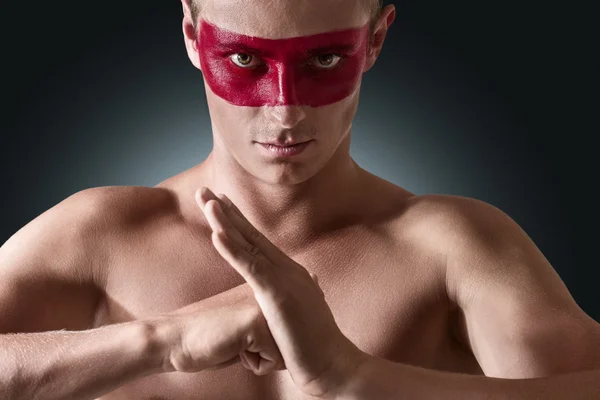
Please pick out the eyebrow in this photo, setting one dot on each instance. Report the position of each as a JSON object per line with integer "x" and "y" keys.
{"x": 331, "y": 48}
{"x": 236, "y": 46}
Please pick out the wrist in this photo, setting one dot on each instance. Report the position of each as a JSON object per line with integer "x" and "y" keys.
{"x": 350, "y": 371}
{"x": 161, "y": 336}
{"x": 354, "y": 385}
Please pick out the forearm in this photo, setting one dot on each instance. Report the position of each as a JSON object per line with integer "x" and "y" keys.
{"x": 385, "y": 380}
{"x": 76, "y": 365}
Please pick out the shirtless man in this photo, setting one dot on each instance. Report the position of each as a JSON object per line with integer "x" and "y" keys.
{"x": 174, "y": 293}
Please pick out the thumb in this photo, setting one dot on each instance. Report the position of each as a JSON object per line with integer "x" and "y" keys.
{"x": 257, "y": 363}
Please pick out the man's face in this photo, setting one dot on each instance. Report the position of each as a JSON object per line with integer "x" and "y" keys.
{"x": 288, "y": 72}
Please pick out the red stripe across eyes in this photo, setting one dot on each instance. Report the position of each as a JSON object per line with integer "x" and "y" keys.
{"x": 285, "y": 75}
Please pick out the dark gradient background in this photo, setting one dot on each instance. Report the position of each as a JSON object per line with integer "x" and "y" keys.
{"x": 492, "y": 100}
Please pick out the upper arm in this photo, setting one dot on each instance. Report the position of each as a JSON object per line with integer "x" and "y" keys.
{"x": 51, "y": 269}
{"x": 516, "y": 314}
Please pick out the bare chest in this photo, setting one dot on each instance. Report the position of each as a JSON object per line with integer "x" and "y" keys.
{"x": 386, "y": 297}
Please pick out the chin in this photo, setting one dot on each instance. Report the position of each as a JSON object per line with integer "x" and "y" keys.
{"x": 285, "y": 175}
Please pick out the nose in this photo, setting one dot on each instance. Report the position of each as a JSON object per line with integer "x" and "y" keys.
{"x": 285, "y": 110}
{"x": 286, "y": 85}
{"x": 286, "y": 116}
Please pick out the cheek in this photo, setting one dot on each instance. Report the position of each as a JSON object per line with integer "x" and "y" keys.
{"x": 281, "y": 83}
{"x": 332, "y": 121}
{"x": 237, "y": 125}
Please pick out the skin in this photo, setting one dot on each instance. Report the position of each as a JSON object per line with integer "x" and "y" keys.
{"x": 157, "y": 305}
{"x": 317, "y": 355}
{"x": 250, "y": 71}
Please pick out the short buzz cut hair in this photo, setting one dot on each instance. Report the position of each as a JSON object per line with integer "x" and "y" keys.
{"x": 375, "y": 7}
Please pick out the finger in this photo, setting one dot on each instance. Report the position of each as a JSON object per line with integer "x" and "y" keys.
{"x": 235, "y": 219}
{"x": 258, "y": 365}
{"x": 253, "y": 268}
{"x": 264, "y": 346}
{"x": 250, "y": 233}
{"x": 255, "y": 237}
{"x": 224, "y": 364}
{"x": 245, "y": 361}
{"x": 239, "y": 219}
{"x": 203, "y": 196}
{"x": 253, "y": 242}
{"x": 255, "y": 363}
{"x": 219, "y": 222}
{"x": 230, "y": 205}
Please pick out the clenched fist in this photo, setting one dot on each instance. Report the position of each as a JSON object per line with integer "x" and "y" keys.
{"x": 217, "y": 332}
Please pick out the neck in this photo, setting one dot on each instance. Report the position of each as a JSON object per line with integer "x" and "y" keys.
{"x": 291, "y": 214}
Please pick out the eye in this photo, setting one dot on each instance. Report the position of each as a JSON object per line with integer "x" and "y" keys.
{"x": 327, "y": 61}
{"x": 243, "y": 60}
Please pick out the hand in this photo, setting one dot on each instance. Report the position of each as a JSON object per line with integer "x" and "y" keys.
{"x": 319, "y": 358}
{"x": 217, "y": 332}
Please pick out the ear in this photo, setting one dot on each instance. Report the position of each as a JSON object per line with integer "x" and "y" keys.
{"x": 388, "y": 14}
{"x": 189, "y": 34}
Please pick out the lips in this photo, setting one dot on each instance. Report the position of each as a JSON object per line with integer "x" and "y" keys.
{"x": 285, "y": 144}
{"x": 273, "y": 150}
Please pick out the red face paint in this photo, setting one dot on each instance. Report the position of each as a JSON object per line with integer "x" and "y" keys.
{"x": 284, "y": 71}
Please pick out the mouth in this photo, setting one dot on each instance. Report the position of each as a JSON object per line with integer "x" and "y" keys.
{"x": 287, "y": 150}
{"x": 286, "y": 144}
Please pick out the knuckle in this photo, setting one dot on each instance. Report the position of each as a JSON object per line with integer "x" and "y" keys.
{"x": 254, "y": 266}
{"x": 225, "y": 206}
{"x": 226, "y": 232}
{"x": 252, "y": 249}
{"x": 220, "y": 236}
{"x": 255, "y": 234}
{"x": 236, "y": 254}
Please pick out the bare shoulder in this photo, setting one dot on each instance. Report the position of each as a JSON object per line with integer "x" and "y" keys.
{"x": 53, "y": 271}
{"x": 449, "y": 222}
{"x": 103, "y": 210}
{"x": 487, "y": 253}
{"x": 476, "y": 240}
{"x": 513, "y": 310}
{"x": 73, "y": 236}
{"x": 126, "y": 203}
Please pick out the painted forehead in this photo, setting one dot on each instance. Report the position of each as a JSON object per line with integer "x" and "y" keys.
{"x": 347, "y": 40}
